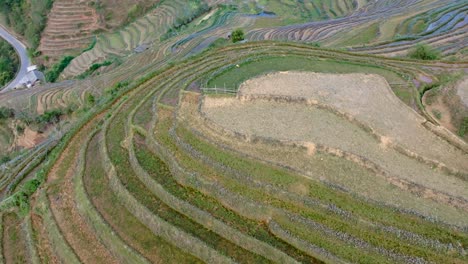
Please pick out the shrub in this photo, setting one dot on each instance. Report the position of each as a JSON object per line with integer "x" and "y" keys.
{"x": 237, "y": 35}
{"x": 24, "y": 117}
{"x": 424, "y": 52}
{"x": 116, "y": 88}
{"x": 6, "y": 113}
{"x": 49, "y": 116}
{"x": 27, "y": 18}
{"x": 54, "y": 72}
{"x": 315, "y": 44}
{"x": 134, "y": 12}
{"x": 94, "y": 68}
{"x": 19, "y": 129}
{"x": 5, "y": 159}
{"x": 91, "y": 45}
{"x": 90, "y": 99}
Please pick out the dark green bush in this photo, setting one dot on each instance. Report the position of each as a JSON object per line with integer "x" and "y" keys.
{"x": 50, "y": 116}
{"x": 5, "y": 159}
{"x": 9, "y": 62}
{"x": 424, "y": 52}
{"x": 54, "y": 72}
{"x": 6, "y": 113}
{"x": 237, "y": 35}
{"x": 90, "y": 99}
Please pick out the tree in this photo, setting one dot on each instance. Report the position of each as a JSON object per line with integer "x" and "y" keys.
{"x": 237, "y": 35}
{"x": 424, "y": 52}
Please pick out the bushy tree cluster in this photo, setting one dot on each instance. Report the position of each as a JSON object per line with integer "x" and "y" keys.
{"x": 54, "y": 72}
{"x": 6, "y": 113}
{"x": 237, "y": 35}
{"x": 27, "y": 18}
{"x": 8, "y": 62}
{"x": 424, "y": 52}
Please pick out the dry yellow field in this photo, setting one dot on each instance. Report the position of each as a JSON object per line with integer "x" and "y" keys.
{"x": 355, "y": 116}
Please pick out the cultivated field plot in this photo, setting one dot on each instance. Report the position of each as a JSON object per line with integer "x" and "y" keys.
{"x": 339, "y": 115}
{"x": 369, "y": 100}
{"x": 145, "y": 177}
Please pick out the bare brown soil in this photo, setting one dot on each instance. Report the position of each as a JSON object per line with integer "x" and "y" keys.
{"x": 61, "y": 195}
{"x": 14, "y": 247}
{"x": 30, "y": 138}
{"x": 116, "y": 11}
{"x": 44, "y": 248}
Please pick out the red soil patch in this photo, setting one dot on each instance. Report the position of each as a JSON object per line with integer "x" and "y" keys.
{"x": 29, "y": 138}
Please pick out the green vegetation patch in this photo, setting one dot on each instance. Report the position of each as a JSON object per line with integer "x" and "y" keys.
{"x": 9, "y": 62}
{"x": 361, "y": 209}
{"x": 54, "y": 72}
{"x": 28, "y": 18}
{"x": 115, "y": 134}
{"x": 362, "y": 36}
{"x": 233, "y": 76}
{"x": 160, "y": 172}
{"x": 127, "y": 226}
{"x": 424, "y": 52}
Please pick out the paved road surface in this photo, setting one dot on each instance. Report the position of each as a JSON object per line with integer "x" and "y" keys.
{"x": 23, "y": 55}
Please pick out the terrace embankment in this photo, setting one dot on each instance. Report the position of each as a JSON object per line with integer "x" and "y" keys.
{"x": 69, "y": 29}
{"x": 342, "y": 115}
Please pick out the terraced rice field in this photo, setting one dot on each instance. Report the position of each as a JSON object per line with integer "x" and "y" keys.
{"x": 157, "y": 174}
{"x": 144, "y": 31}
{"x": 69, "y": 29}
{"x": 289, "y": 12}
{"x": 388, "y": 28}
{"x": 335, "y": 33}
{"x": 255, "y": 152}
{"x": 361, "y": 101}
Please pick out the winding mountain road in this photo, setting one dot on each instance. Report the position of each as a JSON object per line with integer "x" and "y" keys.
{"x": 23, "y": 55}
